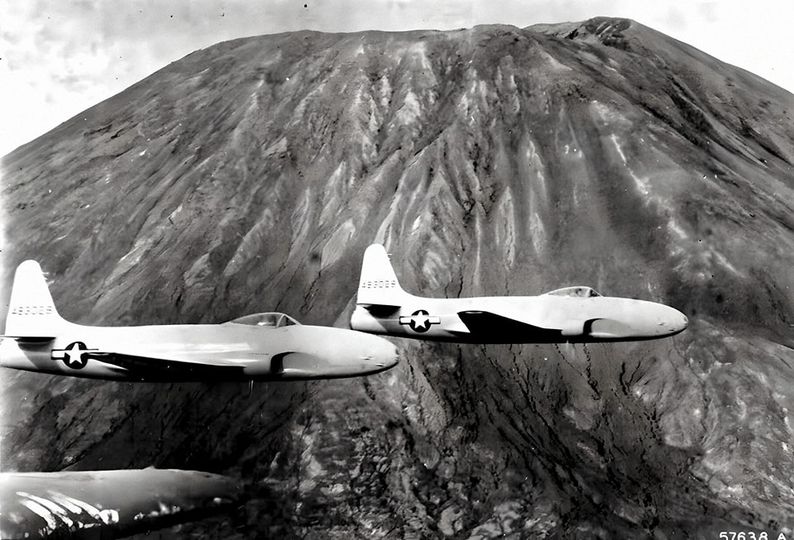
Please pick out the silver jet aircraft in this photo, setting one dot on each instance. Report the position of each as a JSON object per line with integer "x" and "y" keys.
{"x": 264, "y": 346}
{"x": 572, "y": 314}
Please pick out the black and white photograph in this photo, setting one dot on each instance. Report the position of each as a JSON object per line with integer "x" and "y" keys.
{"x": 393, "y": 269}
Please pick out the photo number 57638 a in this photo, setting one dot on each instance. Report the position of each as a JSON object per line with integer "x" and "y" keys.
{"x": 751, "y": 535}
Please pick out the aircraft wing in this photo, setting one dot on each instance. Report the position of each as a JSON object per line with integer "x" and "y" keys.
{"x": 165, "y": 369}
{"x": 485, "y": 326}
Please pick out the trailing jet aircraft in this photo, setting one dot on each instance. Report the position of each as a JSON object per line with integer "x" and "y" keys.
{"x": 572, "y": 314}
{"x": 264, "y": 346}
{"x": 108, "y": 504}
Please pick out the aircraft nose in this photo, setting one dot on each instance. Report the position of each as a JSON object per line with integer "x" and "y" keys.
{"x": 380, "y": 354}
{"x": 683, "y": 321}
{"x": 672, "y": 321}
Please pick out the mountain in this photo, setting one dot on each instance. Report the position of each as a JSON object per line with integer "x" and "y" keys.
{"x": 251, "y": 175}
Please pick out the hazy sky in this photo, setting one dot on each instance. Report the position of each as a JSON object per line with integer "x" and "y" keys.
{"x": 58, "y": 58}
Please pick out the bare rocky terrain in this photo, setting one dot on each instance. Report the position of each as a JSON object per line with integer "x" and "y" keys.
{"x": 251, "y": 175}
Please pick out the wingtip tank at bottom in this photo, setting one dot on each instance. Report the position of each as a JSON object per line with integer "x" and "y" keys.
{"x": 109, "y": 504}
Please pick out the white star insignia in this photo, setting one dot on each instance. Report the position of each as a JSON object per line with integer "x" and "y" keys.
{"x": 420, "y": 321}
{"x": 73, "y": 355}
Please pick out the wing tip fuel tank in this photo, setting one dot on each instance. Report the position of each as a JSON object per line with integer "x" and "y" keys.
{"x": 110, "y": 503}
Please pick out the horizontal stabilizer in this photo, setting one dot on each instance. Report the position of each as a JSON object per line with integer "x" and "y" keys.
{"x": 382, "y": 311}
{"x": 30, "y": 339}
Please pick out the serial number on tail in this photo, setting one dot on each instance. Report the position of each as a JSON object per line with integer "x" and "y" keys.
{"x": 379, "y": 284}
{"x": 32, "y": 310}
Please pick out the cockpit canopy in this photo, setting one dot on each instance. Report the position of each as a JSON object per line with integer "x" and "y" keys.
{"x": 578, "y": 292}
{"x": 270, "y": 319}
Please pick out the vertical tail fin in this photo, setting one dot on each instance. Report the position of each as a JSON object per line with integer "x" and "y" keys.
{"x": 31, "y": 312}
{"x": 378, "y": 285}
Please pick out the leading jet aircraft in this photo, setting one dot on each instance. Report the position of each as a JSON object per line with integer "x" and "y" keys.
{"x": 263, "y": 346}
{"x": 572, "y": 314}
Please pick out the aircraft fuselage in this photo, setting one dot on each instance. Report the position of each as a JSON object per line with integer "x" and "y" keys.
{"x": 521, "y": 319}
{"x": 226, "y": 351}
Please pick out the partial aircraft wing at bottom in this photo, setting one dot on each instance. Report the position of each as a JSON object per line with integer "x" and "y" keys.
{"x": 108, "y": 504}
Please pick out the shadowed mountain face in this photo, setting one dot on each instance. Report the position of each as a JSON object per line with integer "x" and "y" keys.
{"x": 250, "y": 176}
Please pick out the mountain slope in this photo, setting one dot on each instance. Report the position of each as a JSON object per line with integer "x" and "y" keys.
{"x": 251, "y": 175}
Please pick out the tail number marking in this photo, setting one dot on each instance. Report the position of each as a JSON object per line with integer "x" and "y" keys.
{"x": 378, "y": 284}
{"x": 31, "y": 310}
